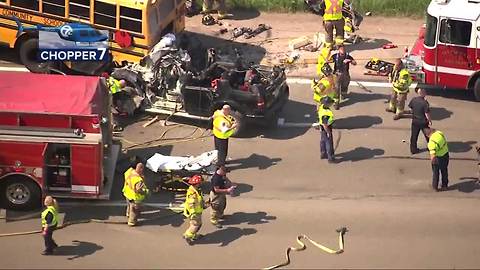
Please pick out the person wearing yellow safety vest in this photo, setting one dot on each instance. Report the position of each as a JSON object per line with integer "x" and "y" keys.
{"x": 223, "y": 128}
{"x": 401, "y": 81}
{"x": 49, "y": 224}
{"x": 325, "y": 86}
{"x": 333, "y": 20}
{"x": 324, "y": 57}
{"x": 135, "y": 191}
{"x": 193, "y": 209}
{"x": 438, "y": 148}
{"x": 325, "y": 120}
{"x": 115, "y": 85}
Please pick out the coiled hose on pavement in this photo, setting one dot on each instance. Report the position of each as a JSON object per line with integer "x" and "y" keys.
{"x": 341, "y": 232}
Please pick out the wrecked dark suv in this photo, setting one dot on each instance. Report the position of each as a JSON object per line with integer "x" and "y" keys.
{"x": 169, "y": 85}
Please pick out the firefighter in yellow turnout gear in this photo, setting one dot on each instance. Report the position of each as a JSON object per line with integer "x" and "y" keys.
{"x": 193, "y": 209}
{"x": 115, "y": 85}
{"x": 326, "y": 85}
{"x": 333, "y": 20}
{"x": 401, "y": 81}
{"x": 135, "y": 191}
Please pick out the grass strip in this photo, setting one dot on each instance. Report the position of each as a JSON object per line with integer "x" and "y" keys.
{"x": 400, "y": 8}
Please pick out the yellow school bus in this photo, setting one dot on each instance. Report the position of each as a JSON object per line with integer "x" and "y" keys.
{"x": 135, "y": 26}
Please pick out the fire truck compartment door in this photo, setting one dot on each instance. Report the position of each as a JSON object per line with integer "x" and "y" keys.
{"x": 86, "y": 169}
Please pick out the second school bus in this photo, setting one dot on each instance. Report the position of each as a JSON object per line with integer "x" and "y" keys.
{"x": 135, "y": 26}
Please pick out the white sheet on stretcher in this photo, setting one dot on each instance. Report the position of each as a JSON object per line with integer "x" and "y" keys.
{"x": 159, "y": 162}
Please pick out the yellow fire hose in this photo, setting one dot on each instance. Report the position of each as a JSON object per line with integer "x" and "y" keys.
{"x": 300, "y": 238}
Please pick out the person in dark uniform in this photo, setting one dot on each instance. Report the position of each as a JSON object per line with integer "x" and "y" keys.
{"x": 420, "y": 118}
{"x": 342, "y": 61}
{"x": 221, "y": 186}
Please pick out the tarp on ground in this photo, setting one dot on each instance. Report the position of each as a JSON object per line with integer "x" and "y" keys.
{"x": 46, "y": 93}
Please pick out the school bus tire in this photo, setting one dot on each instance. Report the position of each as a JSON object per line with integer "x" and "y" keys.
{"x": 19, "y": 192}
{"x": 476, "y": 89}
{"x": 27, "y": 52}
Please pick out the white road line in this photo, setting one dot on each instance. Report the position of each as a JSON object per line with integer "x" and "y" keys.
{"x": 289, "y": 80}
{"x": 18, "y": 69}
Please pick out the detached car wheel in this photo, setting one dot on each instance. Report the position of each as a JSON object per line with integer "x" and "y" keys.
{"x": 20, "y": 193}
{"x": 240, "y": 121}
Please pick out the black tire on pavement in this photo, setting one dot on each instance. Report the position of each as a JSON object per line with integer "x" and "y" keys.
{"x": 476, "y": 89}
{"x": 28, "y": 56}
{"x": 18, "y": 192}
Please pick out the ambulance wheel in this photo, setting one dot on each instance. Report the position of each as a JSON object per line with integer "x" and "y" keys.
{"x": 240, "y": 121}
{"x": 476, "y": 90}
{"x": 20, "y": 193}
{"x": 28, "y": 56}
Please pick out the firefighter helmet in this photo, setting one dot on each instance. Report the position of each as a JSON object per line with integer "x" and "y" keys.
{"x": 194, "y": 180}
{"x": 208, "y": 20}
{"x": 327, "y": 69}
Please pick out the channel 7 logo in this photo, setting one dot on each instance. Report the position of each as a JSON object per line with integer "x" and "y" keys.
{"x": 73, "y": 42}
{"x": 70, "y": 42}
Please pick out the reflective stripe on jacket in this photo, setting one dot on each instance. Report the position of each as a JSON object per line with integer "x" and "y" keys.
{"x": 53, "y": 210}
{"x": 320, "y": 89}
{"x": 437, "y": 144}
{"x": 132, "y": 179}
{"x": 325, "y": 112}
{"x": 401, "y": 80}
{"x": 333, "y": 10}
{"x": 113, "y": 84}
{"x": 218, "y": 120}
{"x": 193, "y": 202}
{"x": 323, "y": 88}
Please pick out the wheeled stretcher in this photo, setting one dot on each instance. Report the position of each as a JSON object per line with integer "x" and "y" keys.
{"x": 174, "y": 171}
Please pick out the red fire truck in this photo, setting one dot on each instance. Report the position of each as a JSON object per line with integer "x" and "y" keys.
{"x": 447, "y": 53}
{"x": 55, "y": 138}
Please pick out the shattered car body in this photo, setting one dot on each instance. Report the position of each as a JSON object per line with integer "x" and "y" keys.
{"x": 167, "y": 83}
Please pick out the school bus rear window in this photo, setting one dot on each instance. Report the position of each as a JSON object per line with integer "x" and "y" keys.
{"x": 105, "y": 14}
{"x": 80, "y": 9}
{"x": 55, "y": 7}
{"x": 131, "y": 19}
{"x": 31, "y": 4}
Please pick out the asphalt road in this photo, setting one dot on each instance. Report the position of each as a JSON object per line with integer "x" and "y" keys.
{"x": 378, "y": 190}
